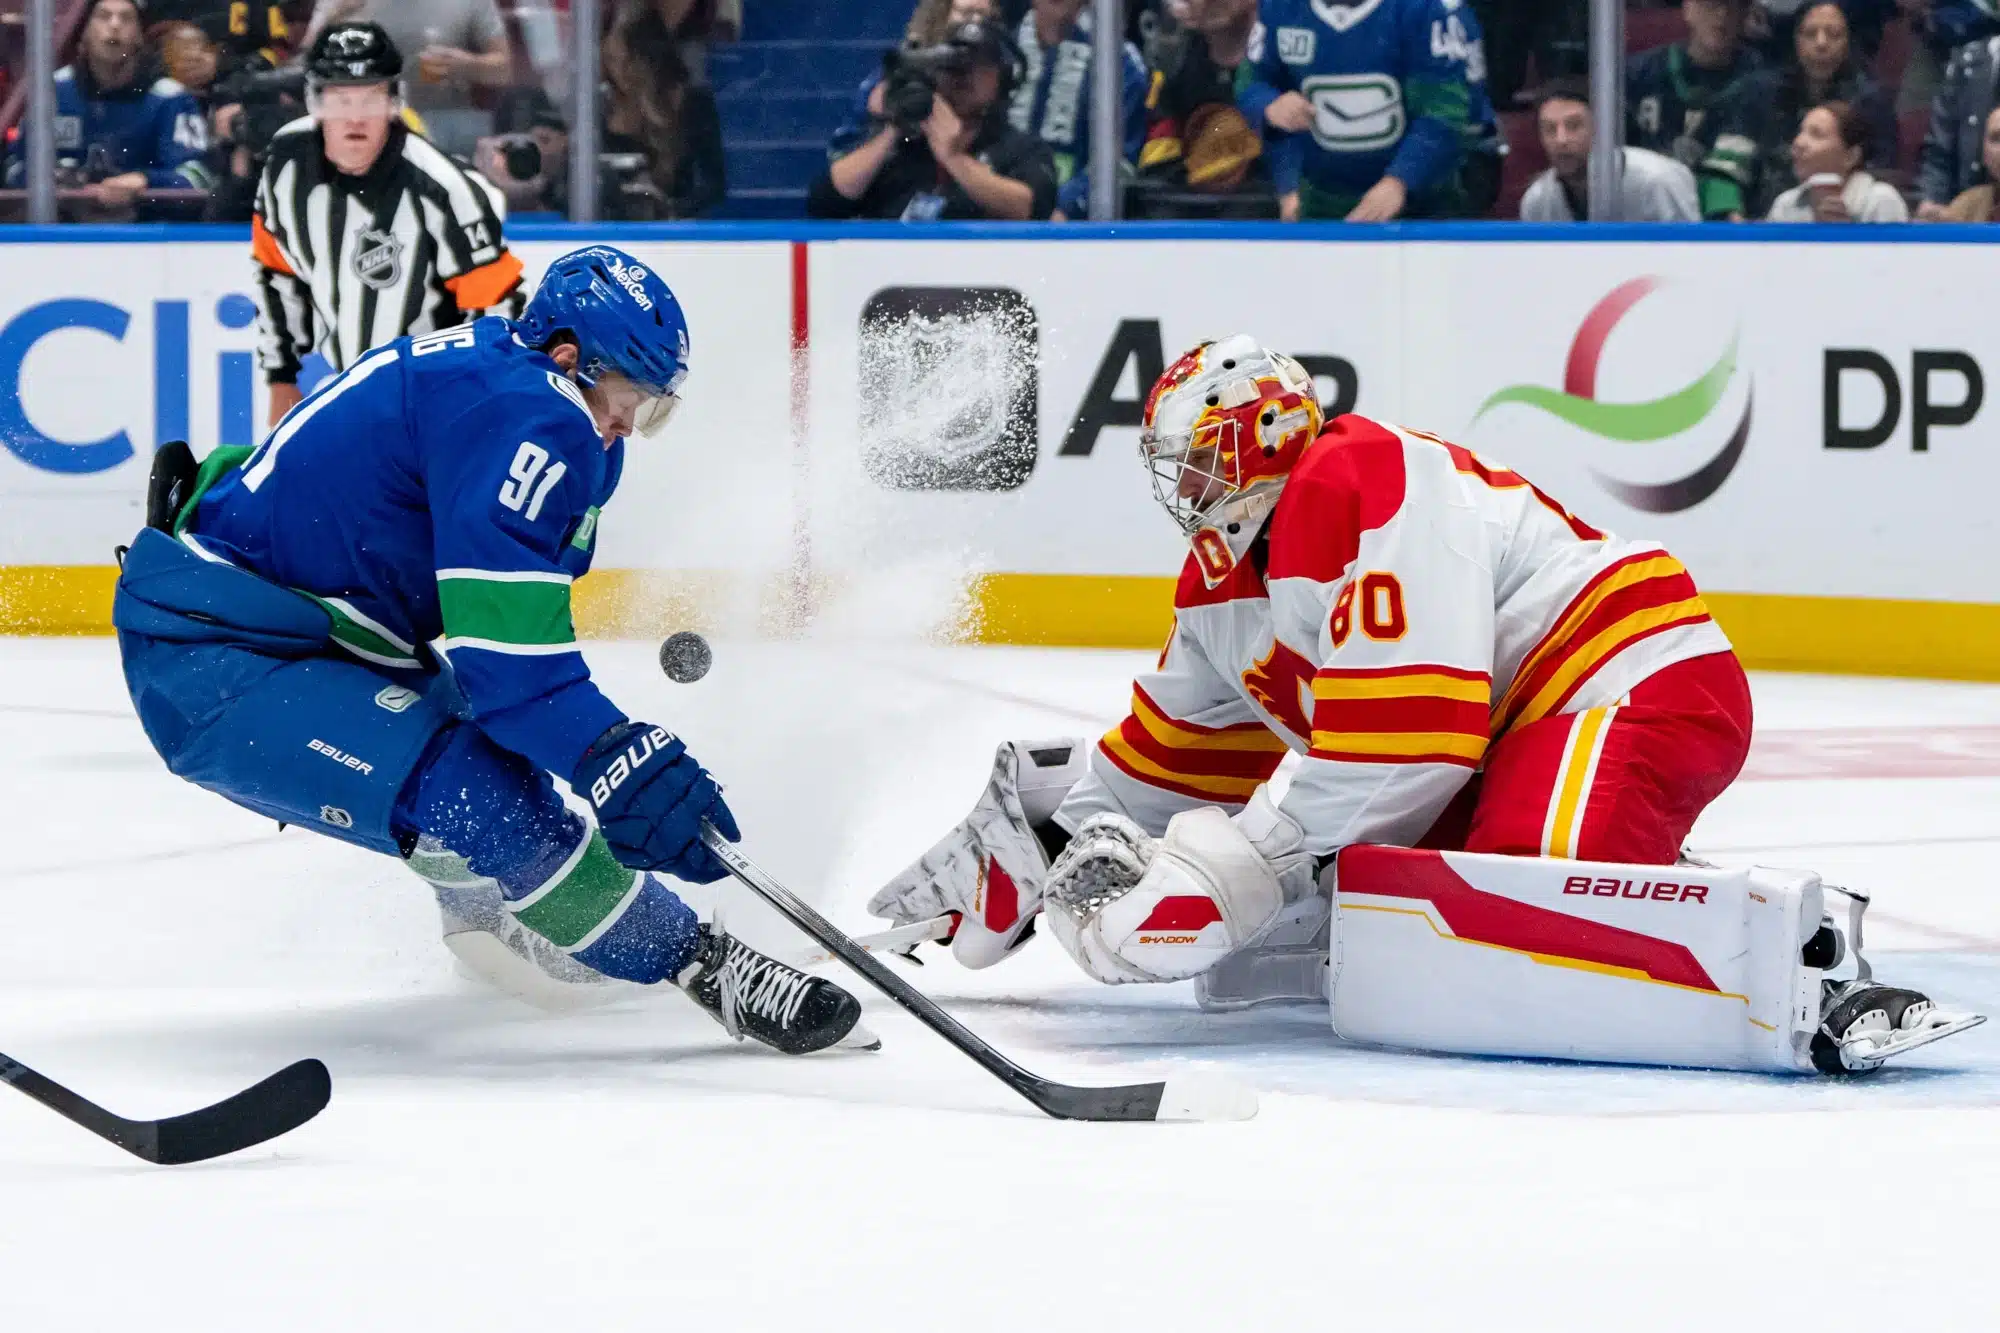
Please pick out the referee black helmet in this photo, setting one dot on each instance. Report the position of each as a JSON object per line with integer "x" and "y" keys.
{"x": 347, "y": 53}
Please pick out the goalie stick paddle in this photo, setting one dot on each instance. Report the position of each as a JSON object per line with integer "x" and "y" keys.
{"x": 278, "y": 1105}
{"x": 1178, "y": 1098}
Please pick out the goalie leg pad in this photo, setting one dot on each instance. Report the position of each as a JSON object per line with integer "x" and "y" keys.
{"x": 1634, "y": 964}
{"x": 1128, "y": 908}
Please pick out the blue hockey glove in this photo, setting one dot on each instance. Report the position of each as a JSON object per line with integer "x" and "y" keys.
{"x": 650, "y": 797}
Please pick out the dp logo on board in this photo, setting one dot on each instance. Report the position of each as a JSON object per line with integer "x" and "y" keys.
{"x": 1685, "y": 413}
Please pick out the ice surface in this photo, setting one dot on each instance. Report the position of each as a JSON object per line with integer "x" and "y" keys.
{"x": 483, "y": 1167}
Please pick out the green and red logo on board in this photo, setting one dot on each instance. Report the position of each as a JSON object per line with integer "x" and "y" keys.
{"x": 1656, "y": 421}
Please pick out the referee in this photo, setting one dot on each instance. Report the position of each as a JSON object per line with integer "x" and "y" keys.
{"x": 364, "y": 230}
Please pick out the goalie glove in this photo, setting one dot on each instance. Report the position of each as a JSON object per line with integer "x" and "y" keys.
{"x": 989, "y": 870}
{"x": 1129, "y": 907}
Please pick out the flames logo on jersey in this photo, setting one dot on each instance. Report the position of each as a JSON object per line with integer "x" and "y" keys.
{"x": 1281, "y": 681}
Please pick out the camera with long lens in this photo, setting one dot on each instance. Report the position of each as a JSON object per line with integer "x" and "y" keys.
{"x": 520, "y": 156}
{"x": 271, "y": 98}
{"x": 909, "y": 83}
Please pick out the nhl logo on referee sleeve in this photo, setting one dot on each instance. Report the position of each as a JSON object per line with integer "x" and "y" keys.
{"x": 378, "y": 259}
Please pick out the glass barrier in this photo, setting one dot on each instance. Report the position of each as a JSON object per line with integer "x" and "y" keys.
{"x": 995, "y": 109}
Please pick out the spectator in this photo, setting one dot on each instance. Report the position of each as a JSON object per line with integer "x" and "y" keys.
{"x": 121, "y": 127}
{"x": 930, "y": 23}
{"x": 460, "y": 46}
{"x": 528, "y": 155}
{"x": 933, "y": 20}
{"x": 189, "y": 58}
{"x": 1201, "y": 158}
{"x": 657, "y": 115}
{"x": 1655, "y": 188}
{"x": 1750, "y": 164}
{"x": 237, "y": 28}
{"x": 1670, "y": 91}
{"x": 1052, "y": 101}
{"x": 1976, "y": 204}
{"x": 1832, "y": 144}
{"x": 1949, "y": 162}
{"x": 944, "y": 154}
{"x": 254, "y": 102}
{"x": 1385, "y": 130}
{"x": 363, "y": 230}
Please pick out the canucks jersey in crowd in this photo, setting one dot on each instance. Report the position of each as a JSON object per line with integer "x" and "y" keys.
{"x": 1672, "y": 104}
{"x": 1052, "y": 102}
{"x": 1390, "y": 90}
{"x": 152, "y": 125}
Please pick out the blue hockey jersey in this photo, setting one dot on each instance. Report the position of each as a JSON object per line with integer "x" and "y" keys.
{"x": 443, "y": 490}
{"x": 1390, "y": 89}
{"x": 1052, "y": 102}
{"x": 153, "y": 126}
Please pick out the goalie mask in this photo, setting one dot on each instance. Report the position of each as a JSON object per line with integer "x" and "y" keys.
{"x": 1223, "y": 428}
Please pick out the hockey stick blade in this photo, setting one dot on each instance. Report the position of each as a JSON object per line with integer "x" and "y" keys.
{"x": 897, "y": 942}
{"x": 278, "y": 1105}
{"x": 1180, "y": 1098}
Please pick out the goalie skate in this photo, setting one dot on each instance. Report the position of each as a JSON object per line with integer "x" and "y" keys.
{"x": 1866, "y": 1025}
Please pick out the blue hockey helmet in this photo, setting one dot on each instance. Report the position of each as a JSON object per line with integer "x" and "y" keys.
{"x": 626, "y": 324}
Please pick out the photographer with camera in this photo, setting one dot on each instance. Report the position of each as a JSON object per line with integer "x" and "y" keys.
{"x": 942, "y": 147}
{"x": 527, "y": 156}
{"x": 255, "y": 100}
{"x": 364, "y": 230}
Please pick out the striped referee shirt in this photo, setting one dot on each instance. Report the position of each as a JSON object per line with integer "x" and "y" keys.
{"x": 345, "y": 263}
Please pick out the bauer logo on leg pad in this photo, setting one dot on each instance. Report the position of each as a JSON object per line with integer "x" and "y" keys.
{"x": 396, "y": 699}
{"x": 1659, "y": 891}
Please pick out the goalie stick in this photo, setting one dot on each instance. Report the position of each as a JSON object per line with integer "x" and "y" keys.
{"x": 1178, "y": 1098}
{"x": 278, "y": 1105}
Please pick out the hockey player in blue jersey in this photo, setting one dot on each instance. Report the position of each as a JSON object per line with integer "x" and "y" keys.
{"x": 1377, "y": 91}
{"x": 363, "y": 628}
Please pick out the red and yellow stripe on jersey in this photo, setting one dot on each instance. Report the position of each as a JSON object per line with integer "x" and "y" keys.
{"x": 1642, "y": 595}
{"x": 1401, "y": 715}
{"x": 1220, "y": 764}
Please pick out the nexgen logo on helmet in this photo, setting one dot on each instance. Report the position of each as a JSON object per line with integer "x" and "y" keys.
{"x": 633, "y": 279}
{"x": 1222, "y": 429}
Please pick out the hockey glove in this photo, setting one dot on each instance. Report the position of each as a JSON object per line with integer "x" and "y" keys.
{"x": 989, "y": 869}
{"x": 651, "y": 797}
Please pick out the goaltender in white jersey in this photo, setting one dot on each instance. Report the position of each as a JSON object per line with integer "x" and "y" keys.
{"x": 1505, "y": 723}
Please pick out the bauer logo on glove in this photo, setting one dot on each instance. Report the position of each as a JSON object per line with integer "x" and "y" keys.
{"x": 655, "y": 741}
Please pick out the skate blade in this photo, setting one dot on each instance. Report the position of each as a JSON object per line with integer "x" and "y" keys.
{"x": 1871, "y": 1050}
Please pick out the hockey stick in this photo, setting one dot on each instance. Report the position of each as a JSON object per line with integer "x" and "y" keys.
{"x": 899, "y": 942}
{"x": 278, "y": 1105}
{"x": 1179, "y": 1098}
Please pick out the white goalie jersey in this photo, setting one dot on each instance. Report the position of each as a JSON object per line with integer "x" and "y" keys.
{"x": 1410, "y": 605}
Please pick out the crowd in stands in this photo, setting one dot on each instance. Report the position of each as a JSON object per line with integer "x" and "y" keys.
{"x": 1363, "y": 110}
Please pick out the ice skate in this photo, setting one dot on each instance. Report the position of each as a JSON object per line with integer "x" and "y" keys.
{"x": 752, "y": 995}
{"x": 1865, "y": 1024}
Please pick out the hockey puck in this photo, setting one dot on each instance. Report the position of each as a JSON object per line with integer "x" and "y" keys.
{"x": 685, "y": 657}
